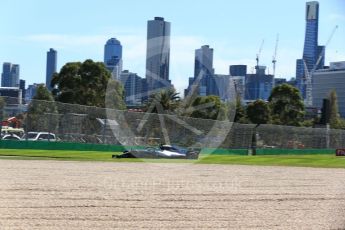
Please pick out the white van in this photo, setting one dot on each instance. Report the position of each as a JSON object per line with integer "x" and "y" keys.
{"x": 39, "y": 136}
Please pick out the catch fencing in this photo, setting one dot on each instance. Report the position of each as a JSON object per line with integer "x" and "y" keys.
{"x": 88, "y": 124}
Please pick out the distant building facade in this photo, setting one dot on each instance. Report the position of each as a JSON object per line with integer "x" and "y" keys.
{"x": 113, "y": 57}
{"x": 51, "y": 67}
{"x": 224, "y": 86}
{"x": 238, "y": 70}
{"x": 203, "y": 82}
{"x": 134, "y": 87}
{"x": 279, "y": 81}
{"x": 239, "y": 85}
{"x": 326, "y": 80}
{"x": 14, "y": 93}
{"x": 31, "y": 91}
{"x": 238, "y": 75}
{"x": 10, "y": 75}
{"x": 158, "y": 54}
{"x": 22, "y": 87}
{"x": 203, "y": 62}
{"x": 258, "y": 85}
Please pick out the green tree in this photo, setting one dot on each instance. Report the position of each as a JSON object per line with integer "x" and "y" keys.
{"x": 334, "y": 120}
{"x": 2, "y": 102}
{"x": 208, "y": 107}
{"x": 166, "y": 100}
{"x": 286, "y": 105}
{"x": 42, "y": 112}
{"x": 84, "y": 83}
{"x": 258, "y": 112}
{"x": 43, "y": 94}
{"x": 2, "y": 106}
{"x": 240, "y": 114}
{"x": 115, "y": 95}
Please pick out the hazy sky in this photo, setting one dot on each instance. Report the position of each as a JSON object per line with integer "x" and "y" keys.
{"x": 79, "y": 29}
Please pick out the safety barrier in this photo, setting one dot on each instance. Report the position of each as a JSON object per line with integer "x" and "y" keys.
{"x": 46, "y": 145}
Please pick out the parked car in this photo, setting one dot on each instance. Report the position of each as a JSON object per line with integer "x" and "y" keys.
{"x": 39, "y": 136}
{"x": 11, "y": 137}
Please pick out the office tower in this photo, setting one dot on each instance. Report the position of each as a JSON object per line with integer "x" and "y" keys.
{"x": 158, "y": 54}
{"x": 22, "y": 87}
{"x": 203, "y": 81}
{"x": 238, "y": 84}
{"x": 311, "y": 51}
{"x": 14, "y": 95}
{"x": 30, "y": 92}
{"x": 258, "y": 85}
{"x": 133, "y": 86}
{"x": 113, "y": 57}
{"x": 326, "y": 80}
{"x": 203, "y": 64}
{"x": 238, "y": 70}
{"x": 10, "y": 75}
{"x": 51, "y": 67}
{"x": 6, "y": 74}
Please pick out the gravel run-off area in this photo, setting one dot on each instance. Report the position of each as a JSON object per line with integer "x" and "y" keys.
{"x": 44, "y": 194}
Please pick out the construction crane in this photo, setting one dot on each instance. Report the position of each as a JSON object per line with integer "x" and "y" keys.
{"x": 324, "y": 48}
{"x": 274, "y": 57}
{"x": 258, "y": 54}
{"x": 308, "y": 75}
{"x": 274, "y": 60}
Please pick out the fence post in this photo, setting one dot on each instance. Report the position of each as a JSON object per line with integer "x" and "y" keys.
{"x": 1, "y": 118}
{"x": 327, "y": 136}
{"x": 254, "y": 140}
{"x": 104, "y": 129}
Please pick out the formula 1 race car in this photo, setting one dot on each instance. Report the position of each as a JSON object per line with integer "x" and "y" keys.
{"x": 164, "y": 151}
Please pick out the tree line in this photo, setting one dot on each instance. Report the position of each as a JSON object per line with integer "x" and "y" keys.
{"x": 90, "y": 83}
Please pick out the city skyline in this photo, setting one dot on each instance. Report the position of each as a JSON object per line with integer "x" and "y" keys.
{"x": 234, "y": 41}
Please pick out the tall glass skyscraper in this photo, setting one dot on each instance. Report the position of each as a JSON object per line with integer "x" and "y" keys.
{"x": 113, "y": 57}
{"x": 51, "y": 66}
{"x": 203, "y": 70}
{"x": 311, "y": 51}
{"x": 203, "y": 63}
{"x": 158, "y": 53}
{"x": 10, "y": 75}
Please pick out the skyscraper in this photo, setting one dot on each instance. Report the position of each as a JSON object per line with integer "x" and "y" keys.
{"x": 203, "y": 71}
{"x": 10, "y": 75}
{"x": 51, "y": 66}
{"x": 258, "y": 85}
{"x": 203, "y": 81}
{"x": 22, "y": 87}
{"x": 158, "y": 53}
{"x": 311, "y": 51}
{"x": 113, "y": 57}
{"x": 203, "y": 64}
{"x": 133, "y": 86}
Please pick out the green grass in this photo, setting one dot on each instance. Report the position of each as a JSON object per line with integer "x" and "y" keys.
{"x": 312, "y": 160}
{"x": 56, "y": 155}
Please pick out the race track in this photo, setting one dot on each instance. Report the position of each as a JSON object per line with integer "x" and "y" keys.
{"x": 40, "y": 194}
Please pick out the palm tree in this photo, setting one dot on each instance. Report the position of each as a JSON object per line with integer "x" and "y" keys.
{"x": 167, "y": 100}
